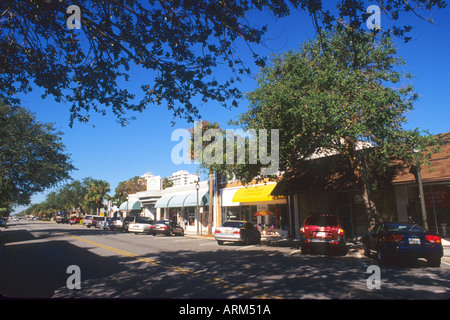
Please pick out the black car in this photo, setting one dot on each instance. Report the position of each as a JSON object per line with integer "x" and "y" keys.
{"x": 393, "y": 241}
{"x": 167, "y": 228}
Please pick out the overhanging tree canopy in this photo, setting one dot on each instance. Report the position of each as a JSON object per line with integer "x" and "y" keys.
{"x": 343, "y": 93}
{"x": 180, "y": 43}
{"x": 32, "y": 156}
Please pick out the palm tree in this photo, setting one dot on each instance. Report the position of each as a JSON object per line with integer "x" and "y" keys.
{"x": 97, "y": 192}
{"x": 211, "y": 168}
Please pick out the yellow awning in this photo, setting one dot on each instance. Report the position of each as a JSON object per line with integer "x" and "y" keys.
{"x": 255, "y": 194}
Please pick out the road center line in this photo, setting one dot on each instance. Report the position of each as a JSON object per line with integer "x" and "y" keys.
{"x": 257, "y": 293}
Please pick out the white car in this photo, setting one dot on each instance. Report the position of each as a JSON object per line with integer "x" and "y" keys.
{"x": 237, "y": 231}
{"x": 91, "y": 221}
{"x": 142, "y": 225}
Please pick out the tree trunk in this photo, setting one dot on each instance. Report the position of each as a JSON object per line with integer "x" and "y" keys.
{"x": 370, "y": 206}
{"x": 360, "y": 166}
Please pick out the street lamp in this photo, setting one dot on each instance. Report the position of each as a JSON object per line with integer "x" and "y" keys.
{"x": 197, "y": 186}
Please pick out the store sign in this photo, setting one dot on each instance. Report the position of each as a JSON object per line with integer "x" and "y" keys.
{"x": 439, "y": 196}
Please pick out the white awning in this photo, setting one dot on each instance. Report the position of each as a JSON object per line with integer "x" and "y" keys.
{"x": 191, "y": 199}
{"x": 163, "y": 201}
{"x": 130, "y": 205}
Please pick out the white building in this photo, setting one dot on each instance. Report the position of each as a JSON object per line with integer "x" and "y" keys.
{"x": 183, "y": 177}
{"x": 143, "y": 203}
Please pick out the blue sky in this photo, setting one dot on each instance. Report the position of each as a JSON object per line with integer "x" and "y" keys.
{"x": 114, "y": 153}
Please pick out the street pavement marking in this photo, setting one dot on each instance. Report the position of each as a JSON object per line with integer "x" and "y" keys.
{"x": 257, "y": 293}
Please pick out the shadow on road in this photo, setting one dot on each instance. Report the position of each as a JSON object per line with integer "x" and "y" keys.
{"x": 31, "y": 266}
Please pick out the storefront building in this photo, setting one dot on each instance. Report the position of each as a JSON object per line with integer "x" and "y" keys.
{"x": 180, "y": 204}
{"x": 321, "y": 188}
{"x": 436, "y": 192}
{"x": 325, "y": 185}
{"x": 143, "y": 203}
{"x": 254, "y": 203}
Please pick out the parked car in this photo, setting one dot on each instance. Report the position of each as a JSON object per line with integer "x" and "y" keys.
{"x": 116, "y": 223}
{"x": 103, "y": 223}
{"x": 142, "y": 225}
{"x": 74, "y": 220}
{"x": 324, "y": 232}
{"x": 396, "y": 240}
{"x": 127, "y": 221}
{"x": 3, "y": 223}
{"x": 167, "y": 227}
{"x": 90, "y": 221}
{"x": 237, "y": 231}
{"x": 62, "y": 219}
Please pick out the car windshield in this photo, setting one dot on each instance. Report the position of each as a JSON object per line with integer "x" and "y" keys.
{"x": 321, "y": 220}
{"x": 163, "y": 222}
{"x": 402, "y": 227}
{"x": 233, "y": 224}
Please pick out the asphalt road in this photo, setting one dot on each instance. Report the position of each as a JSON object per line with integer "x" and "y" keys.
{"x": 35, "y": 258}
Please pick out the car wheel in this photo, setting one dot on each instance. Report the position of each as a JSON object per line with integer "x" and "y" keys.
{"x": 182, "y": 233}
{"x": 219, "y": 242}
{"x": 434, "y": 261}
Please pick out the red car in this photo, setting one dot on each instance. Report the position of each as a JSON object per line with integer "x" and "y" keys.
{"x": 75, "y": 220}
{"x": 322, "y": 231}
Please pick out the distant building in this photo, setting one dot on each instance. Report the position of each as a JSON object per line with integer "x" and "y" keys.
{"x": 183, "y": 177}
{"x": 143, "y": 203}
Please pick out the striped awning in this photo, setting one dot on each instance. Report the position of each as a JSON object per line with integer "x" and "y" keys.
{"x": 163, "y": 202}
{"x": 183, "y": 200}
{"x": 130, "y": 205}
